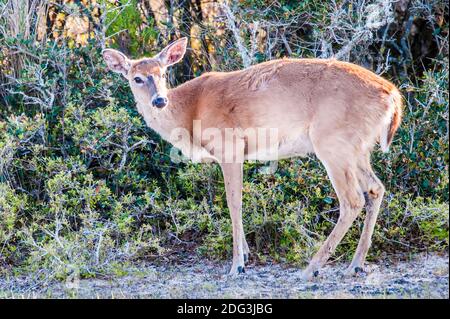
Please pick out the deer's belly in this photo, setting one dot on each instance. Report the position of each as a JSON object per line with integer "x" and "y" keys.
{"x": 286, "y": 147}
{"x": 261, "y": 149}
{"x": 300, "y": 146}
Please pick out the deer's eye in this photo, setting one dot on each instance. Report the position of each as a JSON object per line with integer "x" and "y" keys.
{"x": 138, "y": 80}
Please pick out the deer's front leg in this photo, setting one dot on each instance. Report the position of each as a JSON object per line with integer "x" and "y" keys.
{"x": 232, "y": 175}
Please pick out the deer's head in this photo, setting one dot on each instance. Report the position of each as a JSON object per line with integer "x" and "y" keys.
{"x": 147, "y": 76}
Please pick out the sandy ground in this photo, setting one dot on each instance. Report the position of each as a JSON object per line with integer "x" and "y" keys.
{"x": 424, "y": 276}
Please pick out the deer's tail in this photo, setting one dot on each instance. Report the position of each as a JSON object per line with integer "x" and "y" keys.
{"x": 395, "y": 101}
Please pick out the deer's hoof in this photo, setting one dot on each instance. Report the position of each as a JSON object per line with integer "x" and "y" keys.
{"x": 355, "y": 271}
{"x": 236, "y": 271}
{"x": 309, "y": 274}
{"x": 359, "y": 270}
{"x": 245, "y": 258}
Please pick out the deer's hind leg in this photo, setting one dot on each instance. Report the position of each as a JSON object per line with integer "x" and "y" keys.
{"x": 340, "y": 162}
{"x": 373, "y": 192}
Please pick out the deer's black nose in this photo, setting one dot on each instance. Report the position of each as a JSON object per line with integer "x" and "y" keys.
{"x": 160, "y": 102}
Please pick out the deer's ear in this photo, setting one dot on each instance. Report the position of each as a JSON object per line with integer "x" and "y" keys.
{"x": 173, "y": 53}
{"x": 116, "y": 61}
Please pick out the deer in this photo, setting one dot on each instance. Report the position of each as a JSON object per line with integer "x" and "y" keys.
{"x": 337, "y": 110}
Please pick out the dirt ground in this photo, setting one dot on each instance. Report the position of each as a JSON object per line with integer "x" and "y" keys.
{"x": 424, "y": 276}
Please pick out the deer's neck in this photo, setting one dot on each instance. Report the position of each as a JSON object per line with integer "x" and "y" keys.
{"x": 177, "y": 115}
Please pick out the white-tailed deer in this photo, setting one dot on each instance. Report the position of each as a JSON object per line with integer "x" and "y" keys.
{"x": 333, "y": 109}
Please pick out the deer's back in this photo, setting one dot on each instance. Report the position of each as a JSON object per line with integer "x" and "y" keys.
{"x": 295, "y": 91}
{"x": 293, "y": 95}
